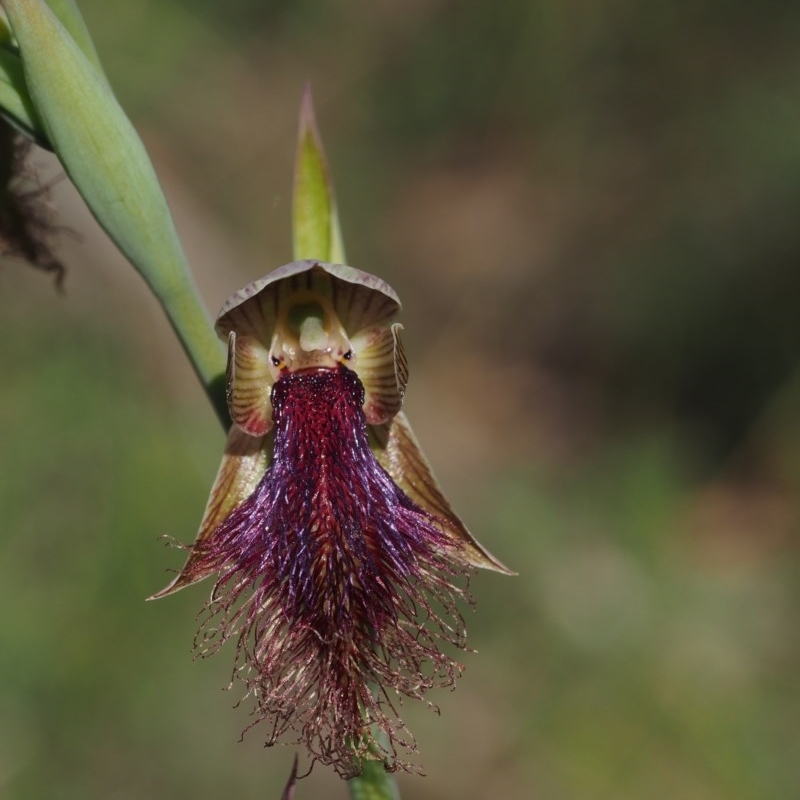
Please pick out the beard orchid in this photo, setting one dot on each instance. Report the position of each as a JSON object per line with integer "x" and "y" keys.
{"x": 338, "y": 563}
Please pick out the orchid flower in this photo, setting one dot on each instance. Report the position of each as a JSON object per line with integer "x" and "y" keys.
{"x": 338, "y": 563}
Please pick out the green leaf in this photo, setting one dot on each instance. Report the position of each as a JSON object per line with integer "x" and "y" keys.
{"x": 315, "y": 224}
{"x": 105, "y": 159}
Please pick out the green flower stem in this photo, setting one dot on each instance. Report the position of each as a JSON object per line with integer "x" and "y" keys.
{"x": 195, "y": 330}
{"x": 374, "y": 783}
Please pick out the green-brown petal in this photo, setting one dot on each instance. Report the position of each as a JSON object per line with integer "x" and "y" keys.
{"x": 244, "y": 463}
{"x": 383, "y": 370}
{"x": 249, "y": 384}
{"x": 399, "y": 453}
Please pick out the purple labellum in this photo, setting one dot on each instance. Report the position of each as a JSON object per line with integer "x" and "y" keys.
{"x": 329, "y": 575}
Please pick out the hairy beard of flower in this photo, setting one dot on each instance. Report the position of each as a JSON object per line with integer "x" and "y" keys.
{"x": 337, "y": 587}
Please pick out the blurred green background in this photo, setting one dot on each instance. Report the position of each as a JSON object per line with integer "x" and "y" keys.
{"x": 591, "y": 214}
